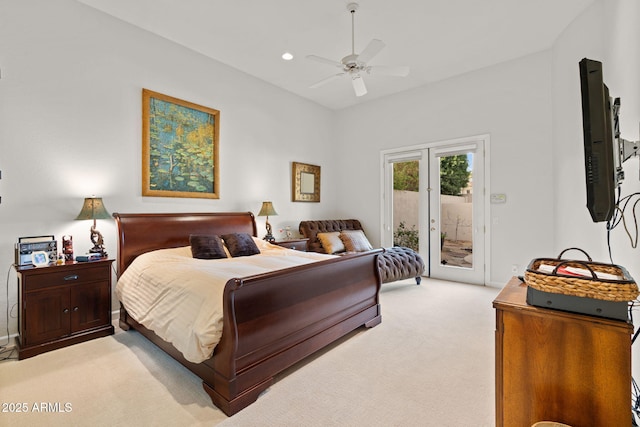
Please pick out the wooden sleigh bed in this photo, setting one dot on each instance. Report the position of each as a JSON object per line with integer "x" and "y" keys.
{"x": 271, "y": 320}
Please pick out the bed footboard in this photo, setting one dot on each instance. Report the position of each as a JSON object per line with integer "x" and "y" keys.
{"x": 274, "y": 320}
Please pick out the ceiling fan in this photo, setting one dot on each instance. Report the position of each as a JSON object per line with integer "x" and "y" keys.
{"x": 354, "y": 65}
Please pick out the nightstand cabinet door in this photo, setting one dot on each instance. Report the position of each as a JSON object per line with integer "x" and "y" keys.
{"x": 46, "y": 316}
{"x": 89, "y": 306}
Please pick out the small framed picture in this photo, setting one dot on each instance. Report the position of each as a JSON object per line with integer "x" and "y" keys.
{"x": 305, "y": 180}
{"x": 40, "y": 258}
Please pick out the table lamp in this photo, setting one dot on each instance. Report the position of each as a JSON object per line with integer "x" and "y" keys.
{"x": 93, "y": 208}
{"x": 266, "y": 210}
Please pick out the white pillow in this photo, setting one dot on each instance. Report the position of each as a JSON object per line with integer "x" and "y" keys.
{"x": 331, "y": 242}
{"x": 355, "y": 241}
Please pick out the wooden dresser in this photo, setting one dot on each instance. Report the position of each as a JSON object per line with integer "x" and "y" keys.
{"x": 558, "y": 366}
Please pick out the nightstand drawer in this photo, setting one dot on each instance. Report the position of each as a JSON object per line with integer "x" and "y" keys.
{"x": 297, "y": 244}
{"x": 64, "y": 277}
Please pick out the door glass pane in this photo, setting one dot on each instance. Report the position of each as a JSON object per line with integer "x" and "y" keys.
{"x": 456, "y": 211}
{"x": 406, "y": 199}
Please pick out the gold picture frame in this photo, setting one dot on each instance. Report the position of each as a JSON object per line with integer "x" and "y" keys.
{"x": 180, "y": 146}
{"x": 305, "y": 181}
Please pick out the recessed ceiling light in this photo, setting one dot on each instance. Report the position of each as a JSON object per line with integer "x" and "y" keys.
{"x": 287, "y": 56}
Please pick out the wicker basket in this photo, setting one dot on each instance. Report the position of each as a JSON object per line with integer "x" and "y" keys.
{"x": 624, "y": 289}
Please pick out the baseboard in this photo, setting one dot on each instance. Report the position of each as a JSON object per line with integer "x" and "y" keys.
{"x": 10, "y": 340}
{"x": 498, "y": 285}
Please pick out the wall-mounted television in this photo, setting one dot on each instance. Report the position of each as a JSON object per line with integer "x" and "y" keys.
{"x": 600, "y": 148}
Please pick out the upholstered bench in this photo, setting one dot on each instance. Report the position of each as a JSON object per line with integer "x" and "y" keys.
{"x": 398, "y": 262}
{"x": 395, "y": 263}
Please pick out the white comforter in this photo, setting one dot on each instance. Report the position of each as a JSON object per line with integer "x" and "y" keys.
{"x": 180, "y": 297}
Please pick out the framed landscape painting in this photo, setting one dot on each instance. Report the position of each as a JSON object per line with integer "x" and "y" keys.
{"x": 180, "y": 145}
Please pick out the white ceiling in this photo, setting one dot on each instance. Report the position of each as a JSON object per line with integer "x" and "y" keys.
{"x": 436, "y": 38}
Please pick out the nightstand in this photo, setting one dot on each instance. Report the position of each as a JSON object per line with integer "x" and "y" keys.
{"x": 297, "y": 244}
{"x": 61, "y": 305}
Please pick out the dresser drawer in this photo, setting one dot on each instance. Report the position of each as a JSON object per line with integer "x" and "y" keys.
{"x": 65, "y": 276}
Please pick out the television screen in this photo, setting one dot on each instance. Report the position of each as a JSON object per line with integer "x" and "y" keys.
{"x": 599, "y": 142}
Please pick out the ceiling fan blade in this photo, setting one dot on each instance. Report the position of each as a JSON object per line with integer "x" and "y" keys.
{"x": 358, "y": 85}
{"x": 326, "y": 80}
{"x": 382, "y": 70}
{"x": 325, "y": 60}
{"x": 372, "y": 49}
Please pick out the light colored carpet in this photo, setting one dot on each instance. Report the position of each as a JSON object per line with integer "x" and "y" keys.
{"x": 430, "y": 363}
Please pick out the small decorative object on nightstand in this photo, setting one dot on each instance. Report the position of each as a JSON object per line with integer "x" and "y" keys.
{"x": 93, "y": 208}
{"x": 297, "y": 244}
{"x": 266, "y": 210}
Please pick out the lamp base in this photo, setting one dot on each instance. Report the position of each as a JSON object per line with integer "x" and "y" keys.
{"x": 98, "y": 242}
{"x": 269, "y": 238}
{"x": 99, "y": 250}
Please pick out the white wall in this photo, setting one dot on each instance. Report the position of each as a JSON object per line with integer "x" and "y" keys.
{"x": 608, "y": 31}
{"x": 531, "y": 109}
{"x": 70, "y": 126}
{"x": 510, "y": 102}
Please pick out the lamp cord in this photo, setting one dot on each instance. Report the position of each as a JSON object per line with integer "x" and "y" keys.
{"x": 3, "y": 348}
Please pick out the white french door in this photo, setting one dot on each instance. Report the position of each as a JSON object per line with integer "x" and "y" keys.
{"x": 440, "y": 209}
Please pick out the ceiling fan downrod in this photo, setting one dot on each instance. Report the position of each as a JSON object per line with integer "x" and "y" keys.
{"x": 352, "y": 7}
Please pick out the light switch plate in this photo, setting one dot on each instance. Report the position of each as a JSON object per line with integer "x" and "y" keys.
{"x": 497, "y": 198}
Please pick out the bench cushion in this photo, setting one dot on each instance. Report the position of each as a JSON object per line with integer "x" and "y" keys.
{"x": 399, "y": 263}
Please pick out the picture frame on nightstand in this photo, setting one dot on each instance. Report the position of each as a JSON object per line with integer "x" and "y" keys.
{"x": 40, "y": 258}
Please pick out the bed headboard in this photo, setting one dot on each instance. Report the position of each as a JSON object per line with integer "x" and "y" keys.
{"x": 143, "y": 232}
{"x": 310, "y": 230}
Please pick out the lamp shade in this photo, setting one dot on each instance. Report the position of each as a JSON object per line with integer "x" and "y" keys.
{"x": 267, "y": 209}
{"x": 93, "y": 208}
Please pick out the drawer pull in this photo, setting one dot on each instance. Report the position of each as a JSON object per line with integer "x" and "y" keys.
{"x": 71, "y": 277}
{"x": 75, "y": 308}
{"x": 65, "y": 311}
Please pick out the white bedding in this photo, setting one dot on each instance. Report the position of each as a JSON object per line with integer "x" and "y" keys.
{"x": 180, "y": 297}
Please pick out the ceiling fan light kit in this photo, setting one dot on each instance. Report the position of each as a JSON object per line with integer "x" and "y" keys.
{"x": 353, "y": 64}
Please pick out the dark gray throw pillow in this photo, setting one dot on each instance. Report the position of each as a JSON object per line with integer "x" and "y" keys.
{"x": 207, "y": 246}
{"x": 240, "y": 244}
